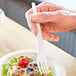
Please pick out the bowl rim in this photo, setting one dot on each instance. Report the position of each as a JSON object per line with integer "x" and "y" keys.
{"x": 34, "y": 51}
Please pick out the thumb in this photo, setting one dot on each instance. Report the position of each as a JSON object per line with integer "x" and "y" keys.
{"x": 44, "y": 17}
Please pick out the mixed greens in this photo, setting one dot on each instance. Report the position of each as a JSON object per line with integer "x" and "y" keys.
{"x": 22, "y": 66}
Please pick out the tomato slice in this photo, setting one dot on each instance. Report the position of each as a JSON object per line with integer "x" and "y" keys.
{"x": 23, "y": 62}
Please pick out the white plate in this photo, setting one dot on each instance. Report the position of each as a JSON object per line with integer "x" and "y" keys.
{"x": 57, "y": 67}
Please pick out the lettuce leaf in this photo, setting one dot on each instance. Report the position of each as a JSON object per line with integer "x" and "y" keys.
{"x": 4, "y": 70}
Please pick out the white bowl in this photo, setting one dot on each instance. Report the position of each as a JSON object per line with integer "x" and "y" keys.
{"x": 56, "y": 65}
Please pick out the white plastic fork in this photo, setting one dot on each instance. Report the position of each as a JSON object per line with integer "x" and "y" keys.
{"x": 41, "y": 59}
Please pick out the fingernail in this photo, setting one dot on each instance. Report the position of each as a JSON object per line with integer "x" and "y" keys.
{"x": 50, "y": 39}
{"x": 56, "y": 40}
{"x": 34, "y": 17}
{"x": 34, "y": 32}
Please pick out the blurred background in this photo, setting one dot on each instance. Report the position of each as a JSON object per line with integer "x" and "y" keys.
{"x": 15, "y": 9}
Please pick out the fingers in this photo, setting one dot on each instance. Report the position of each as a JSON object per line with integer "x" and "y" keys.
{"x": 31, "y": 25}
{"x": 44, "y": 17}
{"x": 33, "y": 28}
{"x": 50, "y": 37}
{"x": 39, "y": 8}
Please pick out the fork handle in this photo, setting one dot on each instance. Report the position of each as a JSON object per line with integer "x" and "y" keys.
{"x": 39, "y": 34}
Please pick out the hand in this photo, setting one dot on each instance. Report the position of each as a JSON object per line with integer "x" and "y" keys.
{"x": 52, "y": 18}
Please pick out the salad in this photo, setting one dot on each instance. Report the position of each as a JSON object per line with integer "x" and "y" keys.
{"x": 22, "y": 66}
